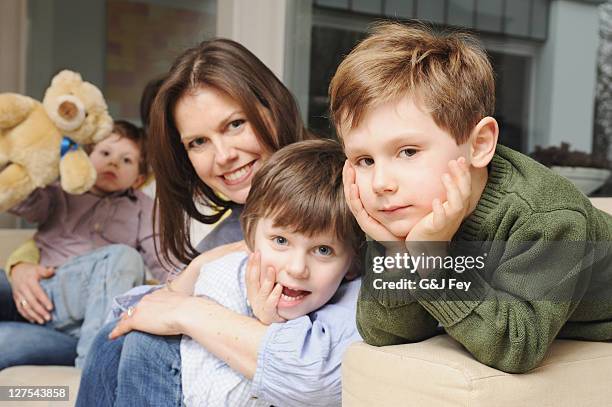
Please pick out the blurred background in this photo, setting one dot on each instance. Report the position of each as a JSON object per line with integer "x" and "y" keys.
{"x": 553, "y": 58}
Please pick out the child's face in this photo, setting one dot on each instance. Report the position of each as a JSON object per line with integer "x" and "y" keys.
{"x": 116, "y": 162}
{"x": 310, "y": 269}
{"x": 399, "y": 155}
{"x": 220, "y": 142}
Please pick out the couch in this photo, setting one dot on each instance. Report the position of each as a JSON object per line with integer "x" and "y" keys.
{"x": 10, "y": 239}
{"x": 440, "y": 372}
{"x": 435, "y": 372}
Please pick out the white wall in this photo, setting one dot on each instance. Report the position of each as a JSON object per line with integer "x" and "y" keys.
{"x": 278, "y": 33}
{"x": 566, "y": 77}
{"x": 258, "y": 25}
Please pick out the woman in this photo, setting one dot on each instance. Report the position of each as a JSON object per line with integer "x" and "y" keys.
{"x": 217, "y": 116}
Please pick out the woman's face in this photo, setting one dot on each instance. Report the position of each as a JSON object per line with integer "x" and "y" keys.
{"x": 219, "y": 141}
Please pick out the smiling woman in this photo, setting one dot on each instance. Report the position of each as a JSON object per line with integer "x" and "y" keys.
{"x": 220, "y": 142}
{"x": 218, "y": 115}
{"x": 211, "y": 125}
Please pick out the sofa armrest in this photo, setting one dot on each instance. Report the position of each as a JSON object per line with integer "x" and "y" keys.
{"x": 42, "y": 376}
{"x": 10, "y": 239}
{"x": 440, "y": 372}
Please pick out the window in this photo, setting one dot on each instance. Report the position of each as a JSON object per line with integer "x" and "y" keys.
{"x": 335, "y": 33}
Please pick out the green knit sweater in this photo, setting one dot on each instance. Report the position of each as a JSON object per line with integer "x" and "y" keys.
{"x": 529, "y": 293}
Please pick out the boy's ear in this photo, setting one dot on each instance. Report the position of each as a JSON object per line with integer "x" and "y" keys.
{"x": 351, "y": 275}
{"x": 139, "y": 181}
{"x": 353, "y": 271}
{"x": 483, "y": 141}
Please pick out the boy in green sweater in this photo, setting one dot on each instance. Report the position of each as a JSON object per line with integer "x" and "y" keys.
{"x": 413, "y": 110}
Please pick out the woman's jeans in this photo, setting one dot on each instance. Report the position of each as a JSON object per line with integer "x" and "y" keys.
{"x": 138, "y": 369}
{"x": 81, "y": 292}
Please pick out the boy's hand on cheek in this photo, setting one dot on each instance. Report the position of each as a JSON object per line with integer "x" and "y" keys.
{"x": 263, "y": 297}
{"x": 443, "y": 222}
{"x": 368, "y": 224}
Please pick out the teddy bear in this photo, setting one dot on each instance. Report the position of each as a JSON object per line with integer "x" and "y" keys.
{"x": 41, "y": 141}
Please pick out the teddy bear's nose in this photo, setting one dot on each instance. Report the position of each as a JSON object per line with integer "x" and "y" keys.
{"x": 68, "y": 110}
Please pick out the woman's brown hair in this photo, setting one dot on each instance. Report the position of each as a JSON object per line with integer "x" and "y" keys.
{"x": 230, "y": 68}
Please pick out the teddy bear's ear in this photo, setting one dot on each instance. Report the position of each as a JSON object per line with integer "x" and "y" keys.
{"x": 104, "y": 128}
{"x": 66, "y": 76}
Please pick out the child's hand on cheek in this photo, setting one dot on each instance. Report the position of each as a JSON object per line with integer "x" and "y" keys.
{"x": 368, "y": 224}
{"x": 443, "y": 222}
{"x": 263, "y": 297}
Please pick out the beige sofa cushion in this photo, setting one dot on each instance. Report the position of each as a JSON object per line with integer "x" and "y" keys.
{"x": 440, "y": 372}
{"x": 42, "y": 376}
{"x": 436, "y": 372}
{"x": 10, "y": 239}
{"x": 605, "y": 204}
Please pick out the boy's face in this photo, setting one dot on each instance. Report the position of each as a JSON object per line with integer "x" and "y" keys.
{"x": 310, "y": 269}
{"x": 116, "y": 161}
{"x": 399, "y": 155}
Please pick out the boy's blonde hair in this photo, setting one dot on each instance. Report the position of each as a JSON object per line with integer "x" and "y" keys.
{"x": 449, "y": 74}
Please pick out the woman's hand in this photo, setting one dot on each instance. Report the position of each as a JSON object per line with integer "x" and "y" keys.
{"x": 31, "y": 300}
{"x": 232, "y": 337}
{"x": 263, "y": 297}
{"x": 157, "y": 313}
{"x": 368, "y": 224}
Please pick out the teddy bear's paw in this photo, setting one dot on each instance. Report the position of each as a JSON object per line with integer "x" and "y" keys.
{"x": 77, "y": 174}
{"x": 77, "y": 185}
{"x": 14, "y": 108}
{"x": 4, "y": 154}
{"x": 15, "y": 186}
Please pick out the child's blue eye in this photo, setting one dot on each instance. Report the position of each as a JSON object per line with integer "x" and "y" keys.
{"x": 365, "y": 162}
{"x": 408, "y": 152}
{"x": 325, "y": 251}
{"x": 279, "y": 240}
